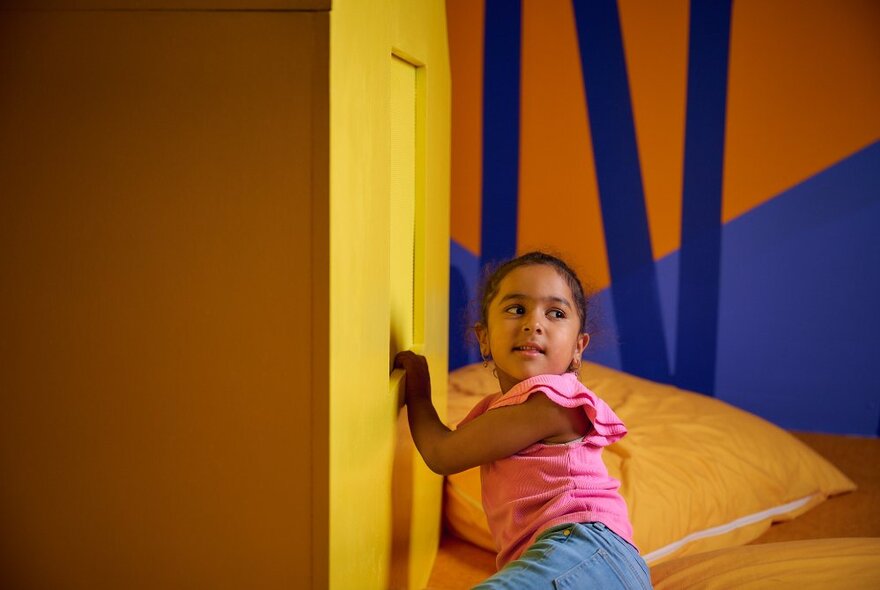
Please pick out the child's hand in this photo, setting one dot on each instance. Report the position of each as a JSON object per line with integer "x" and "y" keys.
{"x": 418, "y": 379}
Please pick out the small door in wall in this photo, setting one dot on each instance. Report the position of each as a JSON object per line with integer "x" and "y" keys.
{"x": 407, "y": 318}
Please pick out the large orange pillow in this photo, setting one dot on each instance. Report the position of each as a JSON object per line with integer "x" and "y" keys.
{"x": 697, "y": 474}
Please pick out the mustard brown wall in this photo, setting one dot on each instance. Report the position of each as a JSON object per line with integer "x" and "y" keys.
{"x": 158, "y": 181}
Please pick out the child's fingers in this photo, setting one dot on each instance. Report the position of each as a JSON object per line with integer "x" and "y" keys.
{"x": 418, "y": 380}
{"x": 407, "y": 359}
{"x": 401, "y": 359}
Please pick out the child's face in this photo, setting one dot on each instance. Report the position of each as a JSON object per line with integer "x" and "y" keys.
{"x": 533, "y": 326}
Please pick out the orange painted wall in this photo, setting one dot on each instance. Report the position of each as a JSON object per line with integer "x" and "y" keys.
{"x": 655, "y": 42}
{"x": 803, "y": 93}
{"x": 558, "y": 196}
{"x": 465, "y": 20}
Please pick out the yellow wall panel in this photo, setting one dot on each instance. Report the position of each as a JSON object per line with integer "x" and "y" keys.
{"x": 363, "y": 410}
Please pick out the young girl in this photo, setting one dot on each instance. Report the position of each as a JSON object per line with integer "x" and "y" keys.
{"x": 556, "y": 516}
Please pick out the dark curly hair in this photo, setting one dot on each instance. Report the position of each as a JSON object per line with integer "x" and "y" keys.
{"x": 494, "y": 276}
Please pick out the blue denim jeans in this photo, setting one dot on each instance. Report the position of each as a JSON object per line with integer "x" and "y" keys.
{"x": 574, "y": 556}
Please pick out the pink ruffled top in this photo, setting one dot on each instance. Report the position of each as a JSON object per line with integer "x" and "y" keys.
{"x": 545, "y": 485}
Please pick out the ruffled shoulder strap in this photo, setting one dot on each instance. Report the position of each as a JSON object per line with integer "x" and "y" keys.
{"x": 568, "y": 392}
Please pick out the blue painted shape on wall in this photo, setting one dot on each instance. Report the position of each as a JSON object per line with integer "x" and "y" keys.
{"x": 667, "y": 284}
{"x": 464, "y": 279}
{"x": 618, "y": 174}
{"x": 700, "y": 251}
{"x": 501, "y": 90}
{"x": 604, "y": 341}
{"x": 799, "y": 328}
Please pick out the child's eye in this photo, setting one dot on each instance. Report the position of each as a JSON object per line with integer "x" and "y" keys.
{"x": 556, "y": 314}
{"x": 517, "y": 309}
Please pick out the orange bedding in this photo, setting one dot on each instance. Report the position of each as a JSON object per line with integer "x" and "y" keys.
{"x": 841, "y": 536}
{"x": 850, "y": 521}
{"x": 461, "y": 564}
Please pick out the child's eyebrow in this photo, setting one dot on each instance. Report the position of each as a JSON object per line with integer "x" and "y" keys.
{"x": 551, "y": 298}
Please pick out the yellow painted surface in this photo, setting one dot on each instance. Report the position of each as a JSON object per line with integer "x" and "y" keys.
{"x": 161, "y": 173}
{"x": 363, "y": 409}
{"x": 402, "y": 209}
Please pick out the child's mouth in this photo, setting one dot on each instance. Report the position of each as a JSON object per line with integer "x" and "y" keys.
{"x": 529, "y": 349}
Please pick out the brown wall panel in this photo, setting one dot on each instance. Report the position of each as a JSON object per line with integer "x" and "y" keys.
{"x": 155, "y": 308}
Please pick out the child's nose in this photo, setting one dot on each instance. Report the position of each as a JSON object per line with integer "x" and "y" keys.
{"x": 532, "y": 323}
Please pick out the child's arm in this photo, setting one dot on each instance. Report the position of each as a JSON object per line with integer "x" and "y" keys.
{"x": 496, "y": 434}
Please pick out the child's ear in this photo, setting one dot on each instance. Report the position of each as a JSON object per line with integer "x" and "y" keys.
{"x": 581, "y": 344}
{"x": 483, "y": 338}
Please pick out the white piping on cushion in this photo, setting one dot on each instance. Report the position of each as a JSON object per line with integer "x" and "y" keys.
{"x": 726, "y": 528}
